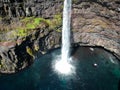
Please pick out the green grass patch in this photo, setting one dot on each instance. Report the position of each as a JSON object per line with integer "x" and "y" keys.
{"x": 32, "y": 22}
{"x": 21, "y": 32}
{"x": 55, "y": 22}
{"x": 28, "y": 24}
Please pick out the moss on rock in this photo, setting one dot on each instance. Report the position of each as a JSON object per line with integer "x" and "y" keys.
{"x": 29, "y": 51}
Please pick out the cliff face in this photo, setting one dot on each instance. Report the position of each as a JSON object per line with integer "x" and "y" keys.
{"x": 97, "y": 23}
{"x": 16, "y": 55}
{"x": 27, "y": 27}
{"x": 34, "y": 26}
{"x": 23, "y": 8}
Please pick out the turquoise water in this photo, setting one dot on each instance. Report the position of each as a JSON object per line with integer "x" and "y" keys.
{"x": 95, "y": 69}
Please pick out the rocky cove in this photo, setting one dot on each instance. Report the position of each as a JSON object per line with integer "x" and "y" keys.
{"x": 28, "y": 27}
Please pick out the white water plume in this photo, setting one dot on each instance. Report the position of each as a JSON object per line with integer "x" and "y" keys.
{"x": 64, "y": 66}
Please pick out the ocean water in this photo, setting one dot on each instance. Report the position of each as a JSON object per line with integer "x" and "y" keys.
{"x": 95, "y": 69}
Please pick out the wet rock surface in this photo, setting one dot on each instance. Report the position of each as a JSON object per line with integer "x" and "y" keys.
{"x": 94, "y": 23}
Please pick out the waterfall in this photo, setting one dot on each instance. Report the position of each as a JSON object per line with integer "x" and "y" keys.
{"x": 66, "y": 30}
{"x": 64, "y": 66}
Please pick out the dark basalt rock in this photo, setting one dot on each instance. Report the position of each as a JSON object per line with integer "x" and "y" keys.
{"x": 94, "y": 23}
{"x": 14, "y": 56}
{"x": 22, "y": 8}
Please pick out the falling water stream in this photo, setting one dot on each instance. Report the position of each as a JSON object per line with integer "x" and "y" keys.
{"x": 66, "y": 30}
{"x": 63, "y": 66}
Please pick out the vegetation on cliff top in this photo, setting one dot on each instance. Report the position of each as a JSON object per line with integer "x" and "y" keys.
{"x": 26, "y": 25}
{"x": 31, "y": 23}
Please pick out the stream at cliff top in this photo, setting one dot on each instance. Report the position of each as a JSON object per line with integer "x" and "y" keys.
{"x": 95, "y": 69}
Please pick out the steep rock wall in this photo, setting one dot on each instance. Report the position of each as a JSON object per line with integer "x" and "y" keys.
{"x": 23, "y": 8}
{"x": 97, "y": 23}
{"x": 94, "y": 23}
